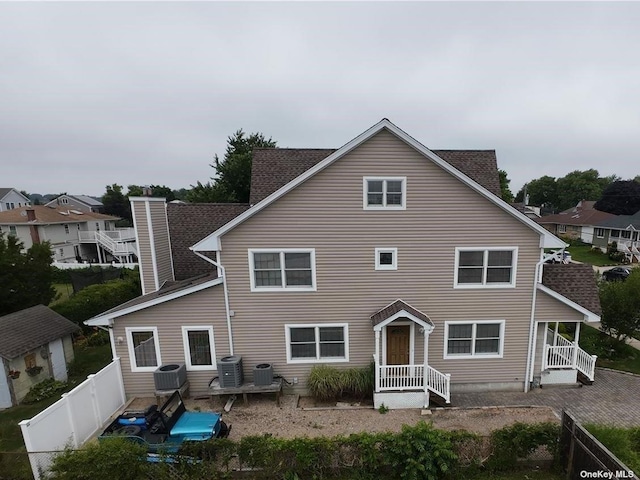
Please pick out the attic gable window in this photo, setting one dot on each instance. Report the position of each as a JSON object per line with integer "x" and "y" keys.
{"x": 284, "y": 269}
{"x": 384, "y": 193}
{"x": 493, "y": 267}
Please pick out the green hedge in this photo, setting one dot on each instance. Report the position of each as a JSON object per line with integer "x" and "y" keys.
{"x": 417, "y": 452}
{"x": 96, "y": 299}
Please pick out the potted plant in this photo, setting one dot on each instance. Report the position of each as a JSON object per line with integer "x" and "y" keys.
{"x": 33, "y": 371}
{"x": 14, "y": 373}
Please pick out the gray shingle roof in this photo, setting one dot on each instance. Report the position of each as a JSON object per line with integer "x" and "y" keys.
{"x": 191, "y": 222}
{"x": 4, "y": 191}
{"x": 397, "y": 306}
{"x": 28, "y": 329}
{"x": 575, "y": 281}
{"x": 621, "y": 222}
{"x": 273, "y": 168}
{"x": 167, "y": 288}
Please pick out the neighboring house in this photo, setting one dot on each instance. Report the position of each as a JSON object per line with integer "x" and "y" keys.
{"x": 11, "y": 198}
{"x": 74, "y": 235}
{"x": 579, "y": 222}
{"x": 380, "y": 250}
{"x": 35, "y": 344}
{"x": 530, "y": 211}
{"x": 624, "y": 230}
{"x": 84, "y": 203}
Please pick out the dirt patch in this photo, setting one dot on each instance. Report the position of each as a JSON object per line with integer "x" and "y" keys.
{"x": 262, "y": 416}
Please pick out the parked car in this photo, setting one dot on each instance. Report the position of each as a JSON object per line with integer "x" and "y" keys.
{"x": 166, "y": 429}
{"x": 616, "y": 273}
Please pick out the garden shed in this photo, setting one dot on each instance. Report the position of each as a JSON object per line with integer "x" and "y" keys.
{"x": 35, "y": 344}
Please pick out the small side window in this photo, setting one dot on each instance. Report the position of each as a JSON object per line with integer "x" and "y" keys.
{"x": 386, "y": 258}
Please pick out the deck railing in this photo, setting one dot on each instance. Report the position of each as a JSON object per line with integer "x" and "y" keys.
{"x": 412, "y": 377}
{"x": 564, "y": 356}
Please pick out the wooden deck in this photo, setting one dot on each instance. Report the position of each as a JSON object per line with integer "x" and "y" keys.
{"x": 216, "y": 390}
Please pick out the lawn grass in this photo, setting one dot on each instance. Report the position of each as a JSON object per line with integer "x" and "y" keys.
{"x": 624, "y": 443}
{"x": 610, "y": 352}
{"x": 63, "y": 292}
{"x": 87, "y": 360}
{"x": 586, "y": 254}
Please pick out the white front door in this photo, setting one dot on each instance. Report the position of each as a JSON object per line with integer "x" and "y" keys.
{"x": 58, "y": 363}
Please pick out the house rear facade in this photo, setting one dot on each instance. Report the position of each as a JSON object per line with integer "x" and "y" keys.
{"x": 380, "y": 251}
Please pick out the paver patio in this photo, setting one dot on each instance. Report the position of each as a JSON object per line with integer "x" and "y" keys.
{"x": 614, "y": 398}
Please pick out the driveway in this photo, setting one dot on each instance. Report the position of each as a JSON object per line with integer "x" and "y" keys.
{"x": 614, "y": 398}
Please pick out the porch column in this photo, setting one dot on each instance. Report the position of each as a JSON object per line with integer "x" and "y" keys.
{"x": 377, "y": 361}
{"x": 425, "y": 369}
{"x": 575, "y": 345}
{"x": 555, "y": 336}
{"x": 99, "y": 253}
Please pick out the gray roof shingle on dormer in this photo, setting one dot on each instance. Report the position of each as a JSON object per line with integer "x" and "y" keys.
{"x": 31, "y": 328}
{"x": 273, "y": 168}
{"x": 575, "y": 281}
{"x": 191, "y": 222}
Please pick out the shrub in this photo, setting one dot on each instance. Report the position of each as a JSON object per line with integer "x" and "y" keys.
{"x": 116, "y": 457}
{"x": 44, "y": 389}
{"x": 96, "y": 299}
{"x": 519, "y": 440}
{"x": 329, "y": 383}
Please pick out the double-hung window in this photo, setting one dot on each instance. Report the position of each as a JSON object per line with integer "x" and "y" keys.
{"x": 474, "y": 339}
{"x": 199, "y": 350}
{"x": 599, "y": 232}
{"x": 485, "y": 267}
{"x": 284, "y": 269}
{"x": 144, "y": 349}
{"x": 317, "y": 343}
{"x": 384, "y": 193}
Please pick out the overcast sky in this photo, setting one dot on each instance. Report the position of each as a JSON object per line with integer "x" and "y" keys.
{"x": 146, "y": 93}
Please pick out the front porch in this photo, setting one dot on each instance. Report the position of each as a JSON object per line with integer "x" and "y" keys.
{"x": 401, "y": 380}
{"x": 563, "y": 361}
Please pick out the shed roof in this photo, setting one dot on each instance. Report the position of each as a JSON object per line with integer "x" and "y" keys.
{"x": 28, "y": 329}
{"x": 575, "y": 281}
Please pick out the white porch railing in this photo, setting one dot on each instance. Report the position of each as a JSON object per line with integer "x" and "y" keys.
{"x": 110, "y": 240}
{"x": 565, "y": 356}
{"x": 412, "y": 377}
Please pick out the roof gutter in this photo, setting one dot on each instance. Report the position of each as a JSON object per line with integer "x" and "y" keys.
{"x": 223, "y": 272}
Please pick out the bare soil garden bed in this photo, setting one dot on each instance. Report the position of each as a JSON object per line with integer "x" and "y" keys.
{"x": 299, "y": 417}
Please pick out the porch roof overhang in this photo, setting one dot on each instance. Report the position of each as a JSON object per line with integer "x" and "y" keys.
{"x": 398, "y": 309}
{"x": 589, "y": 316}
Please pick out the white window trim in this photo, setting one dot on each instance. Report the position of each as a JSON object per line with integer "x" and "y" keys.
{"x": 475, "y": 323}
{"x": 600, "y": 230}
{"x": 318, "y": 359}
{"x": 282, "y": 251}
{"x": 393, "y": 251}
{"x": 562, "y": 228}
{"x": 365, "y": 203}
{"x": 514, "y": 265}
{"x": 132, "y": 357}
{"x": 187, "y": 351}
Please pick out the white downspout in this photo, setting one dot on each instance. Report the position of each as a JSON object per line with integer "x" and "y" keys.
{"x": 226, "y": 296}
{"x": 530, "y": 352}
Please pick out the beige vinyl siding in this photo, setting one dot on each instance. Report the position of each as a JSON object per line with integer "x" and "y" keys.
{"x": 158, "y": 212}
{"x": 326, "y": 213}
{"x": 145, "y": 260}
{"x": 548, "y": 309}
{"x": 205, "y": 307}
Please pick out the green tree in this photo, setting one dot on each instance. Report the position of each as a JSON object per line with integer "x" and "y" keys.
{"x": 505, "y": 191}
{"x": 26, "y": 278}
{"x": 116, "y": 203}
{"x": 541, "y": 191}
{"x": 620, "y": 304}
{"x": 232, "y": 180}
{"x": 620, "y": 198}
{"x": 156, "y": 191}
{"x": 579, "y": 185}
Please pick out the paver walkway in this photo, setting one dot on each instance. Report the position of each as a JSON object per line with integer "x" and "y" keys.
{"x": 614, "y": 398}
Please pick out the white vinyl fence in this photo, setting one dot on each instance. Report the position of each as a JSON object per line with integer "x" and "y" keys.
{"x": 75, "y": 266}
{"x": 75, "y": 418}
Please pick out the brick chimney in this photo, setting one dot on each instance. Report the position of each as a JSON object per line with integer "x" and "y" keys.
{"x": 154, "y": 245}
{"x": 33, "y": 229}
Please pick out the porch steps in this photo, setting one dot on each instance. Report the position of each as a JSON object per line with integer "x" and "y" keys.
{"x": 437, "y": 400}
{"x": 583, "y": 379}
